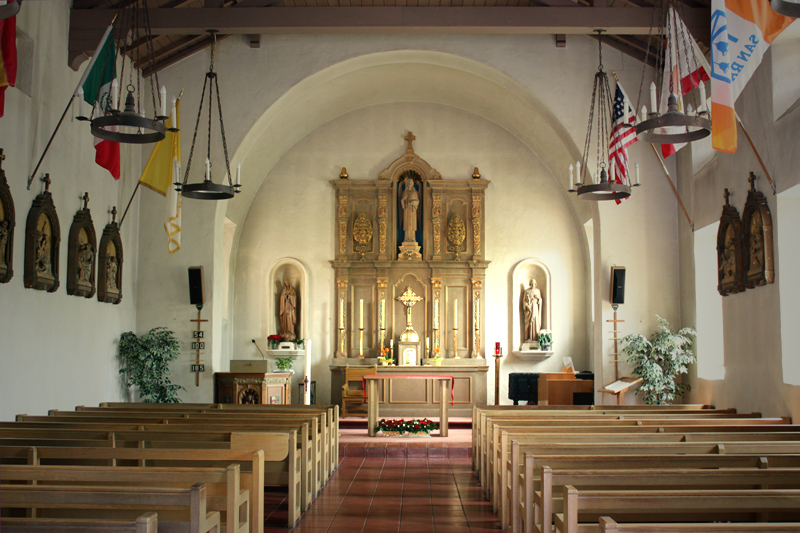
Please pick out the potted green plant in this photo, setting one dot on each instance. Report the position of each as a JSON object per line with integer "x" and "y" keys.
{"x": 146, "y": 361}
{"x": 284, "y": 364}
{"x": 545, "y": 339}
{"x": 660, "y": 361}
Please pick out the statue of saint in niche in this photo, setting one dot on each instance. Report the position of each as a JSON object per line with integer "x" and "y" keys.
{"x": 111, "y": 272}
{"x": 728, "y": 256}
{"x": 42, "y": 258}
{"x": 756, "y": 243}
{"x": 410, "y": 203}
{"x": 288, "y": 311}
{"x": 532, "y": 312}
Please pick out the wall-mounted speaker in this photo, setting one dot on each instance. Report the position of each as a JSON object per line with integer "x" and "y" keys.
{"x": 617, "y": 285}
{"x": 197, "y": 291}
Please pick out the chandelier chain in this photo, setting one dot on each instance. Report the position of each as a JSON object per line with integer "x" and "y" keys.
{"x": 644, "y": 65}
{"x": 196, "y": 127}
{"x": 222, "y": 131}
{"x": 151, "y": 54}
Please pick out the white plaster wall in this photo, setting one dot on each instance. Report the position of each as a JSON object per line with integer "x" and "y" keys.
{"x": 59, "y": 351}
{"x": 518, "y": 87}
{"x": 752, "y": 319}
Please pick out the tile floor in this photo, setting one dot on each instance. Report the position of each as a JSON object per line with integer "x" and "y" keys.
{"x": 394, "y": 494}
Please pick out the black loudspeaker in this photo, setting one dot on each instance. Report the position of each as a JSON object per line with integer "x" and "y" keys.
{"x": 617, "y": 285}
{"x": 197, "y": 291}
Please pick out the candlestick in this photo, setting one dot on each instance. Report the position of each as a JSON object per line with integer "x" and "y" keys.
{"x": 497, "y": 348}
{"x": 163, "y": 101}
{"x": 644, "y": 113}
{"x": 571, "y": 178}
{"x": 307, "y": 378}
{"x": 428, "y": 346}
{"x": 361, "y": 343}
{"x": 653, "y": 103}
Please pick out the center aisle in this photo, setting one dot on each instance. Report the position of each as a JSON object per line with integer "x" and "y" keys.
{"x": 401, "y": 495}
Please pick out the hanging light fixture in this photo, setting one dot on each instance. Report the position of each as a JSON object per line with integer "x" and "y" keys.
{"x": 131, "y": 124}
{"x": 9, "y": 9}
{"x": 680, "y": 68}
{"x": 606, "y": 186}
{"x": 786, "y": 8}
{"x": 207, "y": 189}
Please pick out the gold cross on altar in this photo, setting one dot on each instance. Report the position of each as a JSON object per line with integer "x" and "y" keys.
{"x": 408, "y": 298}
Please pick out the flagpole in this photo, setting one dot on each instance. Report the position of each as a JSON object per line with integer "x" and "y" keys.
{"x": 129, "y": 204}
{"x": 669, "y": 179}
{"x": 71, "y": 100}
{"x": 763, "y": 167}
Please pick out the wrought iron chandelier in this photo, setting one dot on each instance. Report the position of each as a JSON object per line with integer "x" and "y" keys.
{"x": 679, "y": 70}
{"x": 207, "y": 189}
{"x": 131, "y": 124}
{"x": 786, "y": 8}
{"x": 606, "y": 186}
{"x": 9, "y": 9}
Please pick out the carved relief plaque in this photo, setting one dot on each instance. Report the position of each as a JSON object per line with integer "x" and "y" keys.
{"x": 758, "y": 262}
{"x": 42, "y": 240}
{"x": 7, "y": 223}
{"x": 81, "y": 253}
{"x": 109, "y": 263}
{"x": 729, "y": 250}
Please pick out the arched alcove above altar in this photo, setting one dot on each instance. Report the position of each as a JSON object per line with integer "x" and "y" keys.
{"x": 287, "y": 299}
{"x": 531, "y": 297}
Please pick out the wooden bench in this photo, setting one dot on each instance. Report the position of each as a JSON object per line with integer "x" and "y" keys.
{"x": 538, "y": 514}
{"x": 146, "y": 523}
{"x": 671, "y": 505}
{"x": 229, "y": 497}
{"x": 117, "y": 499}
{"x": 607, "y": 525}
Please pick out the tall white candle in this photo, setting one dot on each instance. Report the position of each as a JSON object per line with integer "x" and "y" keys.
{"x": 177, "y": 170}
{"x": 239, "y": 175}
{"x": 114, "y": 94}
{"x": 163, "y": 101}
{"x": 613, "y": 177}
{"x": 571, "y": 178}
{"x": 361, "y": 314}
{"x": 80, "y": 101}
{"x": 653, "y": 103}
{"x": 208, "y": 170}
{"x": 702, "y": 89}
{"x": 174, "y": 112}
{"x": 143, "y": 115}
{"x": 307, "y": 377}
{"x": 455, "y": 313}
{"x": 637, "y": 173}
{"x": 578, "y": 171}
{"x": 644, "y": 113}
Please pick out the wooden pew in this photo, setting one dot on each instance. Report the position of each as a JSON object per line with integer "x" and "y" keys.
{"x": 713, "y": 505}
{"x": 538, "y": 516}
{"x": 230, "y": 497}
{"x": 282, "y": 463}
{"x": 72, "y": 497}
{"x": 608, "y": 525}
{"x": 146, "y": 523}
{"x": 510, "y": 491}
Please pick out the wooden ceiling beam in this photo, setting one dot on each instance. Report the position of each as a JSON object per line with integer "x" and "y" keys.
{"x": 395, "y": 19}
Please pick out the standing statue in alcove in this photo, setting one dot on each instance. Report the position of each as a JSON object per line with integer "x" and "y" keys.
{"x": 410, "y": 203}
{"x": 288, "y": 311}
{"x": 532, "y": 307}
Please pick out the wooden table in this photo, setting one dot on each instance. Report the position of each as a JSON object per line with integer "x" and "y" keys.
{"x": 445, "y": 383}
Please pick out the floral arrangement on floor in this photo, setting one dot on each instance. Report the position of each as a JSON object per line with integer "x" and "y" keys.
{"x": 274, "y": 340}
{"x": 401, "y": 426}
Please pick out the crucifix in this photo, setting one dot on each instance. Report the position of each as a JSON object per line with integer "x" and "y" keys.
{"x": 409, "y": 340}
{"x": 410, "y": 138}
{"x": 85, "y": 201}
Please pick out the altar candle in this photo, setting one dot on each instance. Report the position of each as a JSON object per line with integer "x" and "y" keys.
{"x": 427, "y": 344}
{"x": 613, "y": 176}
{"x": 637, "y": 173}
{"x": 571, "y": 178}
{"x": 455, "y": 313}
{"x": 163, "y": 101}
{"x": 702, "y": 89}
{"x": 361, "y": 313}
{"x": 653, "y": 105}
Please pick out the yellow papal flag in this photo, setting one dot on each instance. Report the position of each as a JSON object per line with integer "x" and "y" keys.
{"x": 162, "y": 170}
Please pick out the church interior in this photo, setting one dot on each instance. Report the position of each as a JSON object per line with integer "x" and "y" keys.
{"x": 403, "y": 194}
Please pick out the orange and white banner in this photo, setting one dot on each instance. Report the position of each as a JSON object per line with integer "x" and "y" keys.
{"x": 741, "y": 32}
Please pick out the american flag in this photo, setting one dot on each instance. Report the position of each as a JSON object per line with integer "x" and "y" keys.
{"x": 621, "y": 137}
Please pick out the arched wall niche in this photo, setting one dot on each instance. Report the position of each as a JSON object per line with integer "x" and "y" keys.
{"x": 292, "y": 270}
{"x": 523, "y": 273}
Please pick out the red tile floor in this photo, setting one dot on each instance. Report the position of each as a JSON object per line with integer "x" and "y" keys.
{"x": 392, "y": 494}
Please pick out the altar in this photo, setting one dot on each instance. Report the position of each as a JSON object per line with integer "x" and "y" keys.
{"x": 420, "y": 398}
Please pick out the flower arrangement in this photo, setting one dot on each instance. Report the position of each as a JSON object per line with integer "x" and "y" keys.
{"x": 545, "y": 339}
{"x": 299, "y": 342}
{"x": 384, "y": 358}
{"x": 283, "y": 363}
{"x": 274, "y": 340}
{"x": 400, "y": 427}
{"x": 437, "y": 357}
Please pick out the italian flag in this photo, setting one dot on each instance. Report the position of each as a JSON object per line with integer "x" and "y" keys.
{"x": 96, "y": 85}
{"x": 741, "y": 32}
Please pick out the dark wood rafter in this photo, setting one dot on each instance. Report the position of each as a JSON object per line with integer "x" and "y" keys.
{"x": 204, "y": 42}
{"x": 184, "y": 23}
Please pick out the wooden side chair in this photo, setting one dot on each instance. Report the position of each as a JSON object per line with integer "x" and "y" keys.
{"x": 353, "y": 389}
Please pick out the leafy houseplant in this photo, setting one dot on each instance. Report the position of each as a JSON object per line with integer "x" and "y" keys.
{"x": 284, "y": 364}
{"x": 146, "y": 364}
{"x": 660, "y": 361}
{"x": 545, "y": 339}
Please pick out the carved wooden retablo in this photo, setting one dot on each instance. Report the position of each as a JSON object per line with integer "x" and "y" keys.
{"x": 757, "y": 243}
{"x": 42, "y": 240}
{"x": 729, "y": 250}
{"x": 7, "y": 223}
{"x": 390, "y": 234}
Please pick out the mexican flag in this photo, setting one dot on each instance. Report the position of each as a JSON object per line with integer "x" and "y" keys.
{"x": 96, "y": 85}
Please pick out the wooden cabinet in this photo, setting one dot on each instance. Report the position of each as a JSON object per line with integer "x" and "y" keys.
{"x": 254, "y": 388}
{"x": 558, "y": 388}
